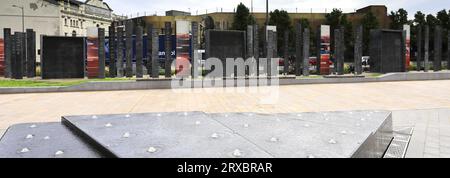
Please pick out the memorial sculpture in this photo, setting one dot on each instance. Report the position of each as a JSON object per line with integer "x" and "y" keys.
{"x": 168, "y": 52}
{"x": 305, "y": 52}
{"x": 120, "y": 52}
{"x": 437, "y": 60}
{"x": 129, "y": 49}
{"x": 339, "y": 50}
{"x": 112, "y": 44}
{"x": 101, "y": 53}
{"x": 149, "y": 48}
{"x": 419, "y": 57}
{"x": 298, "y": 49}
{"x": 358, "y": 50}
{"x": 286, "y": 53}
{"x": 31, "y": 53}
{"x": 139, "y": 52}
{"x": 427, "y": 48}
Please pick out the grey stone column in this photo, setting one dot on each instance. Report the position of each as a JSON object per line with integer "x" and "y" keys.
{"x": 101, "y": 53}
{"x": 358, "y": 50}
{"x": 286, "y": 52}
{"x": 437, "y": 61}
{"x": 168, "y": 45}
{"x": 112, "y": 51}
{"x": 448, "y": 50}
{"x": 338, "y": 51}
{"x": 19, "y": 55}
{"x": 8, "y": 51}
{"x": 155, "y": 55}
{"x": 427, "y": 48}
{"x": 256, "y": 47}
{"x": 31, "y": 53}
{"x": 129, "y": 49}
{"x": 139, "y": 52}
{"x": 419, "y": 47}
{"x": 270, "y": 50}
{"x": 194, "y": 47}
{"x": 275, "y": 44}
{"x": 149, "y": 48}
{"x": 305, "y": 52}
{"x": 250, "y": 41}
{"x": 120, "y": 50}
{"x": 298, "y": 49}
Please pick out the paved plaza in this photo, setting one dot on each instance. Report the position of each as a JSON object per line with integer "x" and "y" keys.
{"x": 431, "y": 136}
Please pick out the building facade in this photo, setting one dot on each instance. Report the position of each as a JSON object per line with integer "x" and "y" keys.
{"x": 55, "y": 17}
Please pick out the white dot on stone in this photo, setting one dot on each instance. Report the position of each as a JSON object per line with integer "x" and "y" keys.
{"x": 32, "y": 126}
{"x": 237, "y": 153}
{"x": 151, "y": 149}
{"x": 332, "y": 141}
{"x": 29, "y": 136}
{"x": 59, "y": 152}
{"x": 25, "y": 150}
{"x": 274, "y": 139}
{"x": 362, "y": 119}
{"x": 307, "y": 125}
{"x": 246, "y": 125}
{"x": 350, "y": 112}
{"x": 250, "y": 114}
{"x": 197, "y": 122}
{"x": 185, "y": 113}
{"x": 226, "y": 115}
{"x": 311, "y": 156}
{"x": 358, "y": 125}
{"x": 215, "y": 135}
{"x": 344, "y": 132}
{"x": 126, "y": 135}
{"x": 127, "y": 115}
{"x": 159, "y": 115}
{"x": 94, "y": 117}
{"x": 46, "y": 138}
{"x": 108, "y": 125}
{"x": 299, "y": 115}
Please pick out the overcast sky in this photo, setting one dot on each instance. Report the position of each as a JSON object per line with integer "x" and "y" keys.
{"x": 127, "y": 7}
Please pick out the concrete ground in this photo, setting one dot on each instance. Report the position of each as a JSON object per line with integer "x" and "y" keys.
{"x": 430, "y": 139}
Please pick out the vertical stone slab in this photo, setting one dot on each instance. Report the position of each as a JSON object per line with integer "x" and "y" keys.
{"x": 256, "y": 47}
{"x": 250, "y": 41}
{"x": 318, "y": 47}
{"x": 437, "y": 61}
{"x": 358, "y": 50}
{"x": 275, "y": 43}
{"x": 149, "y": 48}
{"x": 31, "y": 53}
{"x": 298, "y": 49}
{"x": 306, "y": 52}
{"x": 139, "y": 52}
{"x": 168, "y": 46}
{"x": 155, "y": 55}
{"x": 419, "y": 48}
{"x": 17, "y": 61}
{"x": 427, "y": 48}
{"x": 270, "y": 50}
{"x": 129, "y": 49}
{"x": 112, "y": 51}
{"x": 8, "y": 51}
{"x": 120, "y": 52}
{"x": 101, "y": 53}
{"x": 340, "y": 48}
{"x": 194, "y": 47}
{"x": 2, "y": 57}
{"x": 286, "y": 53}
{"x": 448, "y": 51}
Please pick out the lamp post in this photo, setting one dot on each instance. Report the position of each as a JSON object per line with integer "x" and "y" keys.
{"x": 23, "y": 16}
{"x": 267, "y": 13}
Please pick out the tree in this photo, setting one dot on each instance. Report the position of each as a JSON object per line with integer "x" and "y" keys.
{"x": 242, "y": 18}
{"x": 399, "y": 18}
{"x": 336, "y": 19}
{"x": 443, "y": 19}
{"x": 368, "y": 22}
{"x": 419, "y": 18}
{"x": 282, "y": 20}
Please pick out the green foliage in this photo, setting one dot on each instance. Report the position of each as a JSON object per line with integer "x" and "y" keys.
{"x": 419, "y": 18}
{"x": 282, "y": 20}
{"x": 399, "y": 18}
{"x": 443, "y": 19}
{"x": 336, "y": 19}
{"x": 368, "y": 22}
{"x": 242, "y": 18}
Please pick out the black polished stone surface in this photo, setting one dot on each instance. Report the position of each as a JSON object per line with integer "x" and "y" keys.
{"x": 44, "y": 140}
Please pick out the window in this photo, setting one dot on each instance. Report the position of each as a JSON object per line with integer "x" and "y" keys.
{"x": 65, "y": 22}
